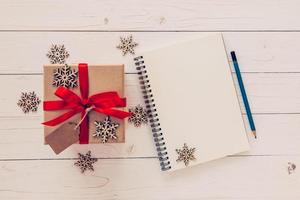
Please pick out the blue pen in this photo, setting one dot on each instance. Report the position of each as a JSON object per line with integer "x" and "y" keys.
{"x": 243, "y": 91}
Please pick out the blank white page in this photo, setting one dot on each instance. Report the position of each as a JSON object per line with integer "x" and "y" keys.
{"x": 196, "y": 99}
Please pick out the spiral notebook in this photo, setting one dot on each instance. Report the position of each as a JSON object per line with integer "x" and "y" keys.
{"x": 192, "y": 102}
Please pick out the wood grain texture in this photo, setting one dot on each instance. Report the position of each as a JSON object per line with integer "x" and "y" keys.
{"x": 257, "y": 52}
{"x": 261, "y": 88}
{"x": 268, "y": 92}
{"x": 265, "y": 36}
{"x": 25, "y": 141}
{"x": 149, "y": 15}
{"x": 253, "y": 178}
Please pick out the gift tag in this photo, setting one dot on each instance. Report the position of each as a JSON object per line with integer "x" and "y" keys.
{"x": 63, "y": 137}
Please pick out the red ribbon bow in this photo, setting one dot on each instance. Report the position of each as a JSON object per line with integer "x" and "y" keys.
{"x": 101, "y": 103}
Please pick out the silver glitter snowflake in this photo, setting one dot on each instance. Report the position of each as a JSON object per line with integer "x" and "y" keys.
{"x": 85, "y": 162}
{"x": 57, "y": 54}
{"x": 29, "y": 102}
{"x": 127, "y": 45}
{"x": 65, "y": 76}
{"x": 138, "y": 116}
{"x": 185, "y": 154}
{"x": 106, "y": 130}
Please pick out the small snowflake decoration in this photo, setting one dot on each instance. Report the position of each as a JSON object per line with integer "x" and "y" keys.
{"x": 185, "y": 154}
{"x": 29, "y": 102}
{"x": 85, "y": 162}
{"x": 138, "y": 116}
{"x": 106, "y": 130}
{"x": 65, "y": 76}
{"x": 57, "y": 54}
{"x": 291, "y": 167}
{"x": 127, "y": 45}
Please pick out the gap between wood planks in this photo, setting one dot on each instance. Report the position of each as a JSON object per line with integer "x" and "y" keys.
{"x": 162, "y": 31}
{"x": 39, "y": 74}
{"x": 133, "y": 158}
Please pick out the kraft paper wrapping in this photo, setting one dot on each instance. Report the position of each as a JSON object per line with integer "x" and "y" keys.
{"x": 102, "y": 78}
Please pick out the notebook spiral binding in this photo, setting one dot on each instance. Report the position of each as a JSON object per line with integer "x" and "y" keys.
{"x": 152, "y": 114}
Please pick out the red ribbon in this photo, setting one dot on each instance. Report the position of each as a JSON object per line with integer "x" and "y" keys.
{"x": 101, "y": 103}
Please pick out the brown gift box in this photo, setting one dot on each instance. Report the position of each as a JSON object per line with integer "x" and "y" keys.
{"x": 102, "y": 78}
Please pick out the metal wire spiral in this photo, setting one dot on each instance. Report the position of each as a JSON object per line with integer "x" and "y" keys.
{"x": 152, "y": 114}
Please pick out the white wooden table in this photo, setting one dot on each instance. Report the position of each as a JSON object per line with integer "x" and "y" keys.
{"x": 264, "y": 34}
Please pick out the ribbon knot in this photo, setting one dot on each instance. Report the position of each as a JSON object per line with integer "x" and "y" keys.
{"x": 85, "y": 103}
{"x": 102, "y": 103}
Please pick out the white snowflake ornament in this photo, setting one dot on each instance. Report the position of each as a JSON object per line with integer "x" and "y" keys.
{"x": 127, "y": 45}
{"x": 57, "y": 54}
{"x": 29, "y": 102}
{"x": 138, "y": 116}
{"x": 65, "y": 76}
{"x": 185, "y": 154}
{"x": 106, "y": 130}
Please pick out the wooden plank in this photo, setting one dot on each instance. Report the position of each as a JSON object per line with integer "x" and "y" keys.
{"x": 252, "y": 178}
{"x": 149, "y": 15}
{"x": 257, "y": 52}
{"x": 22, "y": 138}
{"x": 268, "y": 93}
{"x": 271, "y": 93}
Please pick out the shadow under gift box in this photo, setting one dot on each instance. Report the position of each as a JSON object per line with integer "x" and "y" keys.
{"x": 102, "y": 78}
